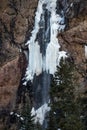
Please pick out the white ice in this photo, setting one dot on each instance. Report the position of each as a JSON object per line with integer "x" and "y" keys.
{"x": 86, "y": 51}
{"x": 40, "y": 113}
{"x": 53, "y": 55}
{"x": 35, "y": 61}
{"x": 38, "y": 63}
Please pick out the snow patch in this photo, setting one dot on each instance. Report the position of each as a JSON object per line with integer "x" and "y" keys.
{"x": 61, "y": 54}
{"x": 11, "y": 113}
{"x": 16, "y": 115}
{"x": 85, "y": 51}
{"x": 39, "y": 114}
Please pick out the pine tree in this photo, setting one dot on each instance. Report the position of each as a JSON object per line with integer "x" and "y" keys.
{"x": 27, "y": 123}
{"x": 38, "y": 126}
{"x": 84, "y": 110}
{"x": 65, "y": 109}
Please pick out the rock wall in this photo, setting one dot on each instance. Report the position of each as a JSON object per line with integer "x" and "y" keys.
{"x": 10, "y": 75}
{"x": 16, "y": 23}
{"x": 74, "y": 38}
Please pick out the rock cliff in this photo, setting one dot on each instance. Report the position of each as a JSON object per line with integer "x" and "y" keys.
{"x": 73, "y": 40}
{"x": 16, "y": 23}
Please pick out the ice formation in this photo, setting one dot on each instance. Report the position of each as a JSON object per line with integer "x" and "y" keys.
{"x": 85, "y": 51}
{"x": 39, "y": 114}
{"x": 37, "y": 62}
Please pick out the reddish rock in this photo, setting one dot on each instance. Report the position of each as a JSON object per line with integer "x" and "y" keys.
{"x": 10, "y": 75}
{"x": 16, "y": 23}
{"x": 73, "y": 41}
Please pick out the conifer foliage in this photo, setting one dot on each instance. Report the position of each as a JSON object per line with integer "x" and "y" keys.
{"x": 27, "y": 123}
{"x": 28, "y": 120}
{"x": 65, "y": 110}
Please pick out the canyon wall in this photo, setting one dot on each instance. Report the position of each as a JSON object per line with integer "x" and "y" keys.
{"x": 16, "y": 23}
{"x": 74, "y": 39}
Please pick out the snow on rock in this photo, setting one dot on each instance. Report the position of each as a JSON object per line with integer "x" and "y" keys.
{"x": 85, "y": 51}
{"x": 16, "y": 115}
{"x": 11, "y": 113}
{"x": 39, "y": 114}
{"x": 61, "y": 54}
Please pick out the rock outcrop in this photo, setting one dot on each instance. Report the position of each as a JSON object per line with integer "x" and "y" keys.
{"x": 16, "y": 23}
{"x": 10, "y": 75}
{"x": 74, "y": 39}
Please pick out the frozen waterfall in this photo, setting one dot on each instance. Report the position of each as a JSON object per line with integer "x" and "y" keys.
{"x": 44, "y": 54}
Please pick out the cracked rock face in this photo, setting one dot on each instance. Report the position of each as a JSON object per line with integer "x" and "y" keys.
{"x": 74, "y": 39}
{"x": 16, "y": 23}
{"x": 73, "y": 8}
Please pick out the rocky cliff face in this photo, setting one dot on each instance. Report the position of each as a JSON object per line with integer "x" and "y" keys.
{"x": 74, "y": 39}
{"x": 16, "y": 23}
{"x": 10, "y": 75}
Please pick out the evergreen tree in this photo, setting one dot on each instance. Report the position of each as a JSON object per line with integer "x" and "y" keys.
{"x": 28, "y": 120}
{"x": 84, "y": 110}
{"x": 27, "y": 123}
{"x": 65, "y": 108}
{"x": 38, "y": 126}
